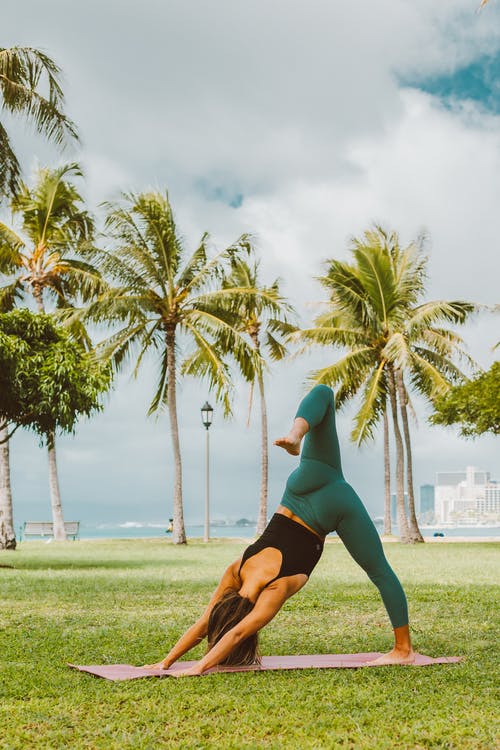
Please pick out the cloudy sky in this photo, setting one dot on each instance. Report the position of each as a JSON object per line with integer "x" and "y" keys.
{"x": 301, "y": 122}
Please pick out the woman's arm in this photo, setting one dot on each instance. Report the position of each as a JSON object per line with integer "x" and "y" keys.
{"x": 268, "y": 604}
{"x": 197, "y": 632}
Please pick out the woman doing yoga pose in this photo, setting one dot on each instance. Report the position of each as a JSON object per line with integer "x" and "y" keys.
{"x": 316, "y": 501}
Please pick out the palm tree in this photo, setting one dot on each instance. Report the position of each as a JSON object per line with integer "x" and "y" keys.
{"x": 7, "y": 533}
{"x": 264, "y": 319}
{"x": 42, "y": 259}
{"x": 164, "y": 298}
{"x": 374, "y": 313}
{"x": 365, "y": 302}
{"x": 25, "y": 75}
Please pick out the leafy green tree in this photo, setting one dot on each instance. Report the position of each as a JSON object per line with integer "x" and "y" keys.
{"x": 474, "y": 405}
{"x": 30, "y": 87}
{"x": 163, "y": 299}
{"x": 47, "y": 382}
{"x": 265, "y": 319}
{"x": 374, "y": 316}
{"x": 41, "y": 260}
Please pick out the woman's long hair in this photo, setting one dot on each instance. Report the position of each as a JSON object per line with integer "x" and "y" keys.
{"x": 227, "y": 613}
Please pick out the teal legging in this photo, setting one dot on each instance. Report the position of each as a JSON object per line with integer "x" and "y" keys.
{"x": 318, "y": 494}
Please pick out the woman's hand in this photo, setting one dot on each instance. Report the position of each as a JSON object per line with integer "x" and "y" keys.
{"x": 161, "y": 665}
{"x": 194, "y": 671}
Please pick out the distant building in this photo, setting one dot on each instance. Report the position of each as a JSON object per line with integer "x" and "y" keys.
{"x": 466, "y": 497}
{"x": 427, "y": 500}
{"x": 492, "y": 498}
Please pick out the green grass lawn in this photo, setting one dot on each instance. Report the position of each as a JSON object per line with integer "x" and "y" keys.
{"x": 128, "y": 601}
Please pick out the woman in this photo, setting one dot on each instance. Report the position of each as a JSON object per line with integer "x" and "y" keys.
{"x": 316, "y": 501}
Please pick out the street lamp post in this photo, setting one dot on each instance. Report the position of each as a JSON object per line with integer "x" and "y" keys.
{"x": 206, "y": 417}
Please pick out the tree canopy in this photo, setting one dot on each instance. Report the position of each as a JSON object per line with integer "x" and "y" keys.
{"x": 47, "y": 380}
{"x": 44, "y": 257}
{"x": 30, "y": 87}
{"x": 474, "y": 405}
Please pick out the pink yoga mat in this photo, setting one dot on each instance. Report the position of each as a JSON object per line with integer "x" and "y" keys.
{"x": 314, "y": 661}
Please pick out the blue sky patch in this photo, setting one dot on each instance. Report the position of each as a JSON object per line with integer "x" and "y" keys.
{"x": 220, "y": 193}
{"x": 479, "y": 82}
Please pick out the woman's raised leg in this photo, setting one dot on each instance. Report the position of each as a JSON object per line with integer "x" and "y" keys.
{"x": 316, "y": 418}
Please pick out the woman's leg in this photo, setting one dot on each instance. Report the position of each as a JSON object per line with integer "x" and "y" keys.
{"x": 362, "y": 541}
{"x": 316, "y": 417}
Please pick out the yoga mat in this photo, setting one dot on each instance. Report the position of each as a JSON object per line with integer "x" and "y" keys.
{"x": 313, "y": 661}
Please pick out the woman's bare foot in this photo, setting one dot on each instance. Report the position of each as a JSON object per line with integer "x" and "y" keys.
{"x": 291, "y": 443}
{"x": 396, "y": 656}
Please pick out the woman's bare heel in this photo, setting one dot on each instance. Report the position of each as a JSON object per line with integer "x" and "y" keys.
{"x": 291, "y": 443}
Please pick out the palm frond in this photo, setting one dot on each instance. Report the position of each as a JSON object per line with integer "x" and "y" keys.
{"x": 195, "y": 264}
{"x": 117, "y": 305}
{"x": 11, "y": 244}
{"x": 205, "y": 362}
{"x": 151, "y": 251}
{"x": 347, "y": 293}
{"x": 349, "y": 373}
{"x": 447, "y": 344}
{"x": 375, "y": 273}
{"x": 372, "y": 406}
{"x": 328, "y": 336}
{"x": 215, "y": 268}
{"x": 10, "y": 169}
{"x": 432, "y": 374}
{"x": 277, "y": 350}
{"x": 410, "y": 274}
{"x": 52, "y": 212}
{"x": 10, "y": 294}
{"x": 228, "y": 339}
{"x": 119, "y": 347}
{"x": 160, "y": 397}
{"x": 438, "y": 311}
{"x": 397, "y": 351}
{"x": 238, "y": 300}
{"x": 80, "y": 279}
{"x": 22, "y": 71}
{"x": 152, "y": 338}
{"x": 78, "y": 330}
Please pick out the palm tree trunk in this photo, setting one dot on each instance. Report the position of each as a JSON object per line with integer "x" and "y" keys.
{"x": 414, "y": 530}
{"x": 262, "y": 519}
{"x": 7, "y": 533}
{"x": 404, "y": 531}
{"x": 38, "y": 295}
{"x": 387, "y": 478}
{"x": 55, "y": 492}
{"x": 264, "y": 443}
{"x": 179, "y": 532}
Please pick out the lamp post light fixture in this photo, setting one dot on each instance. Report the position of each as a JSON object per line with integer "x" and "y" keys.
{"x": 206, "y": 417}
{"x": 206, "y": 414}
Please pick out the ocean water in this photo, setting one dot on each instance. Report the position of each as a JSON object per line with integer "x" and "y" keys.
{"x": 137, "y": 530}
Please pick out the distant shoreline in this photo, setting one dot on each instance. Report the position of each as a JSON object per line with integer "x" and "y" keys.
{"x": 136, "y": 530}
{"x": 446, "y": 539}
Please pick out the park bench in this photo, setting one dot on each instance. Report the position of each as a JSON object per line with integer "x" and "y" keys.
{"x": 46, "y": 528}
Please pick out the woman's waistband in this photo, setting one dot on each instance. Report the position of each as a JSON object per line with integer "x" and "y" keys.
{"x": 279, "y": 520}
